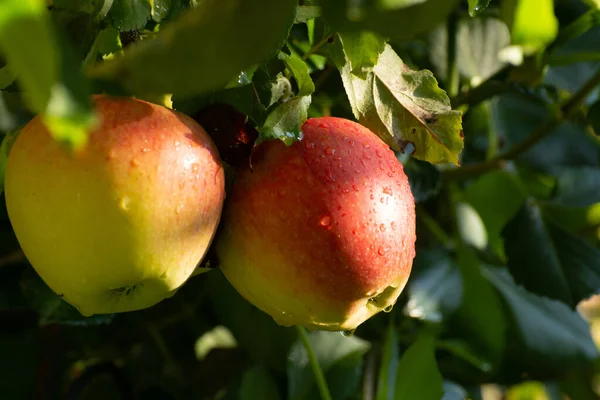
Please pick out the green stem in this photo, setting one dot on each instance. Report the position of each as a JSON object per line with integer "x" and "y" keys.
{"x": 452, "y": 76}
{"x": 578, "y": 27}
{"x": 567, "y": 110}
{"x": 317, "y": 47}
{"x": 317, "y": 371}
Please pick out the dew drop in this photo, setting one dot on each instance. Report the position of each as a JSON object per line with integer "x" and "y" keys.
{"x": 356, "y": 189}
{"x": 381, "y": 166}
{"x": 388, "y": 190}
{"x": 351, "y": 142}
{"x": 348, "y": 333}
{"x": 381, "y": 200}
{"x": 145, "y": 149}
{"x": 323, "y": 125}
{"x": 177, "y": 143}
{"x": 393, "y": 224}
{"x": 309, "y": 145}
{"x": 388, "y": 309}
{"x": 179, "y": 208}
{"x": 366, "y": 145}
{"x": 372, "y": 197}
{"x": 329, "y": 151}
{"x": 381, "y": 251}
{"x": 363, "y": 163}
{"x": 382, "y": 227}
{"x": 125, "y": 203}
{"x": 325, "y": 220}
{"x": 378, "y": 152}
{"x": 135, "y": 162}
{"x": 195, "y": 168}
{"x": 366, "y": 155}
{"x": 391, "y": 174}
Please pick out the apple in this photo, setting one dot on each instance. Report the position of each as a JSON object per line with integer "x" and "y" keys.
{"x": 321, "y": 233}
{"x": 121, "y": 224}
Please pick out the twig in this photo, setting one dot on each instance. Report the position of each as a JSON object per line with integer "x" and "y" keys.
{"x": 452, "y": 76}
{"x": 434, "y": 227}
{"x": 567, "y": 110}
{"x": 314, "y": 363}
{"x": 317, "y": 47}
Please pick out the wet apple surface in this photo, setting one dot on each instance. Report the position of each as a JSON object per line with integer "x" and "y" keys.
{"x": 320, "y": 233}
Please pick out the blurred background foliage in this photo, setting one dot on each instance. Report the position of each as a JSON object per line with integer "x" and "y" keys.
{"x": 500, "y": 302}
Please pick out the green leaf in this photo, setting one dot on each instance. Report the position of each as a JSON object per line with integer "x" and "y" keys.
{"x": 257, "y": 383}
{"x": 51, "y": 308}
{"x": 480, "y": 316}
{"x": 7, "y": 77}
{"x": 88, "y": 6}
{"x": 418, "y": 376}
{"x": 300, "y": 71}
{"x": 108, "y": 41}
{"x": 424, "y": 179}
{"x": 217, "y": 338}
{"x": 478, "y": 43}
{"x": 285, "y": 121}
{"x": 555, "y": 338}
{"x": 362, "y": 50}
{"x": 306, "y": 13}
{"x": 389, "y": 365}
{"x": 403, "y": 107}
{"x": 25, "y": 25}
{"x": 340, "y": 359}
{"x": 578, "y": 187}
{"x": 207, "y": 46}
{"x": 548, "y": 260}
{"x": 127, "y": 15}
{"x": 477, "y": 6}
{"x": 497, "y": 197}
{"x": 532, "y": 23}
{"x": 391, "y": 18}
{"x": 435, "y": 286}
{"x": 453, "y": 391}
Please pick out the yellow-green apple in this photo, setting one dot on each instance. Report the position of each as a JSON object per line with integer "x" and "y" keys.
{"x": 321, "y": 233}
{"x": 121, "y": 224}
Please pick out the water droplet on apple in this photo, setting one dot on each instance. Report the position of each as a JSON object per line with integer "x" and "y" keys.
{"x": 372, "y": 196}
{"x": 393, "y": 224}
{"x": 381, "y": 166}
{"x": 309, "y": 145}
{"x": 366, "y": 155}
{"x": 125, "y": 203}
{"x": 366, "y": 145}
{"x": 382, "y": 227}
{"x": 378, "y": 152}
{"x": 388, "y": 190}
{"x": 325, "y": 220}
{"x": 145, "y": 149}
{"x": 329, "y": 151}
{"x": 363, "y": 163}
{"x": 388, "y": 309}
{"x": 391, "y": 174}
{"x": 381, "y": 251}
{"x": 356, "y": 189}
{"x": 348, "y": 333}
{"x": 179, "y": 208}
{"x": 112, "y": 154}
{"x": 177, "y": 143}
{"x": 351, "y": 143}
{"x": 195, "y": 167}
{"x": 323, "y": 125}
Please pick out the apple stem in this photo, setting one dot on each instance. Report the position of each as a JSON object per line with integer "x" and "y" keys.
{"x": 314, "y": 363}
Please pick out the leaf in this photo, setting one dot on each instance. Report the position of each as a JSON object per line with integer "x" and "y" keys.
{"x": 7, "y": 77}
{"x": 87, "y": 7}
{"x": 336, "y": 354}
{"x": 568, "y": 146}
{"x": 217, "y": 338}
{"x": 480, "y": 316}
{"x": 470, "y": 226}
{"x": 286, "y": 120}
{"x": 435, "y": 286}
{"x": 404, "y": 107}
{"x": 477, "y": 6}
{"x": 497, "y": 197}
{"x": 307, "y": 13}
{"x": 391, "y": 18}
{"x": 362, "y": 50}
{"x": 257, "y": 383}
{"x": 555, "y": 338}
{"x": 578, "y": 187}
{"x": 478, "y": 43}
{"x": 13, "y": 112}
{"x": 207, "y": 46}
{"x": 389, "y": 365}
{"x": 549, "y": 261}
{"x": 532, "y": 23}
{"x": 25, "y": 25}
{"x": 51, "y": 308}
{"x": 128, "y": 15}
{"x": 418, "y": 376}
{"x": 300, "y": 71}
{"x": 453, "y": 391}
{"x": 424, "y": 179}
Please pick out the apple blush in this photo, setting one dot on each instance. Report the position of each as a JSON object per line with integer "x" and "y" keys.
{"x": 320, "y": 233}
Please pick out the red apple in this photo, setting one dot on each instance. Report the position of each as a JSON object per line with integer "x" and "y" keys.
{"x": 122, "y": 224}
{"x": 321, "y": 233}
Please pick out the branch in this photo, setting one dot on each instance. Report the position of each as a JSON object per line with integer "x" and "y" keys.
{"x": 566, "y": 111}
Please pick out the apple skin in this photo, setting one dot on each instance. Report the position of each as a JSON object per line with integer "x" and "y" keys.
{"x": 321, "y": 233}
{"x": 121, "y": 224}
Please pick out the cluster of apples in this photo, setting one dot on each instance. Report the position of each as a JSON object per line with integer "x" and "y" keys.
{"x": 319, "y": 234}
